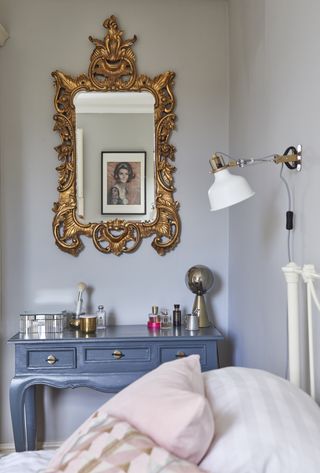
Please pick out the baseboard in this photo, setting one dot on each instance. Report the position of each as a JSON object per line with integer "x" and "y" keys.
{"x": 6, "y": 448}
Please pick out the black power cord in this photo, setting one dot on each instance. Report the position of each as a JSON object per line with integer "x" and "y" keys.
{"x": 289, "y": 213}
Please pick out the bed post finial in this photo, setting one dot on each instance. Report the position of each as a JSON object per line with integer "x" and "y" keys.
{"x": 291, "y": 273}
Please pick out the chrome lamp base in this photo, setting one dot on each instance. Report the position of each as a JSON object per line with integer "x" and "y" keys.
{"x": 199, "y": 304}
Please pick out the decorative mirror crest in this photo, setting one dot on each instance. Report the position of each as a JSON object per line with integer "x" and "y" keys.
{"x": 113, "y": 68}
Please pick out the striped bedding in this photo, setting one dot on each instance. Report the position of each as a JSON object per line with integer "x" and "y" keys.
{"x": 108, "y": 445}
{"x": 263, "y": 424}
{"x": 105, "y": 445}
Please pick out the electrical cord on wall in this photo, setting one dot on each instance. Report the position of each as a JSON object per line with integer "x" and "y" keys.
{"x": 289, "y": 227}
{"x": 289, "y": 216}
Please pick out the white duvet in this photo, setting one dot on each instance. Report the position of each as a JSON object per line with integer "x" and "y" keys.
{"x": 25, "y": 462}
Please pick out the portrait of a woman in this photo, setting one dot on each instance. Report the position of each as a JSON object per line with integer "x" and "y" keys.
{"x": 123, "y": 182}
{"x": 118, "y": 194}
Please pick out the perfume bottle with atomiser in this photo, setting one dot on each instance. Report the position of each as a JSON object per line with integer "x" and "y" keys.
{"x": 101, "y": 317}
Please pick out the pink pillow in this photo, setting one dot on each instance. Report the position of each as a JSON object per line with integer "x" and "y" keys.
{"x": 168, "y": 405}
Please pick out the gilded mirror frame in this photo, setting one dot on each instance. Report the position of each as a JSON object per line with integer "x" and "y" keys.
{"x": 113, "y": 68}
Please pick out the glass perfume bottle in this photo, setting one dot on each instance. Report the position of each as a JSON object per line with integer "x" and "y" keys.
{"x": 154, "y": 319}
{"x": 176, "y": 315}
{"x": 165, "y": 319}
{"x": 101, "y": 317}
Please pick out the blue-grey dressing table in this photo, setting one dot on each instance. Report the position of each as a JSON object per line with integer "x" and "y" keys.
{"x": 107, "y": 360}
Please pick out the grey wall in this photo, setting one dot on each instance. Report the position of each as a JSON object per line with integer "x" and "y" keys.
{"x": 188, "y": 37}
{"x": 275, "y": 102}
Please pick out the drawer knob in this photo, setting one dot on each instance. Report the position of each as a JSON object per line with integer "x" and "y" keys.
{"x": 51, "y": 359}
{"x": 180, "y": 354}
{"x": 117, "y": 354}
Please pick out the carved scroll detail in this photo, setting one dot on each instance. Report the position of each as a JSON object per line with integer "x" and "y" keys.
{"x": 113, "y": 68}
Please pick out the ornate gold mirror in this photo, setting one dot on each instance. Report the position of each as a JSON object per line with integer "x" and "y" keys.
{"x": 115, "y": 178}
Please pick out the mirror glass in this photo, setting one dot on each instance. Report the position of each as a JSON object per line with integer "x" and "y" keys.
{"x": 115, "y": 138}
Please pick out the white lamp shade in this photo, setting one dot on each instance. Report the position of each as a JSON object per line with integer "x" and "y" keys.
{"x": 228, "y": 189}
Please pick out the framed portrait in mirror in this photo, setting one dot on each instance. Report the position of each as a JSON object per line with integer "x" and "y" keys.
{"x": 123, "y": 182}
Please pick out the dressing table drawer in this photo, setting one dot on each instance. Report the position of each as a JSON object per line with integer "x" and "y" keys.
{"x": 64, "y": 358}
{"x": 181, "y": 351}
{"x": 116, "y": 354}
{"x": 121, "y": 357}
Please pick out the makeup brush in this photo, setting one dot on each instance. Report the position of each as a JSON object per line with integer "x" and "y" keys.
{"x": 81, "y": 287}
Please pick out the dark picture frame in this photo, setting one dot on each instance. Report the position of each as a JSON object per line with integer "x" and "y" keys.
{"x": 123, "y": 182}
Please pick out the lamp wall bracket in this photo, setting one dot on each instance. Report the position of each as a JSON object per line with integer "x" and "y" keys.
{"x": 292, "y": 158}
{"x": 292, "y": 161}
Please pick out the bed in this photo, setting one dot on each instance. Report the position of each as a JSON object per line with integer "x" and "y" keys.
{"x": 177, "y": 419}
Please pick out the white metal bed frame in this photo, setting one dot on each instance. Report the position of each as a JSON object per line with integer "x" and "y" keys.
{"x": 292, "y": 273}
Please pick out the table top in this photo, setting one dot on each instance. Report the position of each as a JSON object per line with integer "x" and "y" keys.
{"x": 119, "y": 332}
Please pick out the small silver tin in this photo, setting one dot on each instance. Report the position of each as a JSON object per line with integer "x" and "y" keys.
{"x": 42, "y": 322}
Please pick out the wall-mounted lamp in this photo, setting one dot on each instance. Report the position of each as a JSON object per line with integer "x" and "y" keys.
{"x": 229, "y": 189}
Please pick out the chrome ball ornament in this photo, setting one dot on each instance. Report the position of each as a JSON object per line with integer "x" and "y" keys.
{"x": 199, "y": 279}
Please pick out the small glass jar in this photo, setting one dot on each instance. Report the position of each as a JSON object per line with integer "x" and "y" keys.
{"x": 101, "y": 317}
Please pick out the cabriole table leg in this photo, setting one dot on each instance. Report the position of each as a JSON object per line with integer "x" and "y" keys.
{"x": 17, "y": 396}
